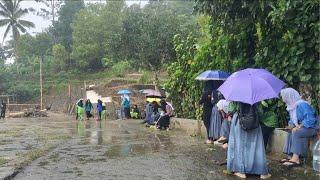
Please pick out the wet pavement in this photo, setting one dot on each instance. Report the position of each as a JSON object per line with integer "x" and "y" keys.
{"x": 125, "y": 149}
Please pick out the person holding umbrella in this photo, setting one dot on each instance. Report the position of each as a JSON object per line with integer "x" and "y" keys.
{"x": 211, "y": 117}
{"x": 247, "y": 88}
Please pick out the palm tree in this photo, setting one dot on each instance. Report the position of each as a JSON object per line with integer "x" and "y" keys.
{"x": 12, "y": 13}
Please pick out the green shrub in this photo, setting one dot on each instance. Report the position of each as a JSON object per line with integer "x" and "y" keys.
{"x": 121, "y": 68}
{"x": 145, "y": 78}
{"x": 25, "y": 92}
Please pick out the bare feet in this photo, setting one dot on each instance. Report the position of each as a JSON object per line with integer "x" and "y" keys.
{"x": 209, "y": 141}
{"x": 225, "y": 146}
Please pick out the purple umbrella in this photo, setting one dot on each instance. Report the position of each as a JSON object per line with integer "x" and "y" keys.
{"x": 251, "y": 86}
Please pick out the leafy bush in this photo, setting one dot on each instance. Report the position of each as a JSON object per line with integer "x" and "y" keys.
{"x": 25, "y": 92}
{"x": 121, "y": 68}
{"x": 145, "y": 78}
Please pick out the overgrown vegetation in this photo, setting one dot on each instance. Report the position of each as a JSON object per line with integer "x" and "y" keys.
{"x": 281, "y": 36}
{"x": 95, "y": 40}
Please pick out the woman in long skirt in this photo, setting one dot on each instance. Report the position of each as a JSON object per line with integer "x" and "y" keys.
{"x": 215, "y": 124}
{"x": 302, "y": 126}
{"x": 222, "y": 106}
{"x": 246, "y": 153}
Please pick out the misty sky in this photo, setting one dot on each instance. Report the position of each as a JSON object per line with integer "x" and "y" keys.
{"x": 42, "y": 23}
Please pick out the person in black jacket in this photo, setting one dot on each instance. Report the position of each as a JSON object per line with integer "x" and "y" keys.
{"x": 3, "y": 110}
{"x": 205, "y": 101}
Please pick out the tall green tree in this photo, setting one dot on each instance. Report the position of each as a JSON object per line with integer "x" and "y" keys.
{"x": 96, "y": 34}
{"x": 11, "y": 13}
{"x": 62, "y": 29}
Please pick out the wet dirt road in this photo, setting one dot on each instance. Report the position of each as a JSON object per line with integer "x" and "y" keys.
{"x": 125, "y": 149}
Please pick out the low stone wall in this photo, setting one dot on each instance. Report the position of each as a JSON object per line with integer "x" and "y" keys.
{"x": 196, "y": 128}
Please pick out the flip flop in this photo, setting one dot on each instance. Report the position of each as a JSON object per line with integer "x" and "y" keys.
{"x": 223, "y": 141}
{"x": 284, "y": 160}
{"x": 292, "y": 165}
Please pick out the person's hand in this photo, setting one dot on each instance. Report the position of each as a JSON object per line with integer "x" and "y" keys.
{"x": 229, "y": 118}
{"x": 296, "y": 128}
{"x": 289, "y": 127}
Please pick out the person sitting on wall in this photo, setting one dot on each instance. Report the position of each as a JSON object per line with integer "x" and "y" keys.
{"x": 164, "y": 121}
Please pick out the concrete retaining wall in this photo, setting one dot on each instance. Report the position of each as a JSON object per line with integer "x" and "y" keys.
{"x": 196, "y": 128}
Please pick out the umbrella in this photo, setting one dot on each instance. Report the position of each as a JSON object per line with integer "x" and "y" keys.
{"x": 213, "y": 75}
{"x": 124, "y": 91}
{"x": 147, "y": 91}
{"x": 153, "y": 99}
{"x": 154, "y": 94}
{"x": 251, "y": 86}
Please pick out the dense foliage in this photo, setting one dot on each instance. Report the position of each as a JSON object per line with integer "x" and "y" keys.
{"x": 281, "y": 36}
{"x": 90, "y": 38}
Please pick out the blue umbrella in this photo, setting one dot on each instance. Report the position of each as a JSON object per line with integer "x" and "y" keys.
{"x": 124, "y": 91}
{"x": 213, "y": 75}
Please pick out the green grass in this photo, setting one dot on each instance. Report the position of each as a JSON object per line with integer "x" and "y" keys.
{"x": 2, "y": 161}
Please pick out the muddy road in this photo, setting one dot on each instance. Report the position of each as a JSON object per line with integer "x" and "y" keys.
{"x": 123, "y": 149}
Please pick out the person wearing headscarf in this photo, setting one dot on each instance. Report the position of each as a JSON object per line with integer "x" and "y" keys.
{"x": 205, "y": 101}
{"x": 99, "y": 109}
{"x": 246, "y": 152}
{"x": 79, "y": 110}
{"x": 125, "y": 104}
{"x": 223, "y": 107}
{"x": 164, "y": 121}
{"x": 155, "y": 113}
{"x": 302, "y": 125}
{"x": 88, "y": 108}
{"x": 135, "y": 112}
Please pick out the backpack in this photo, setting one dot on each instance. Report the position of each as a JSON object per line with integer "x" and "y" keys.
{"x": 248, "y": 117}
{"x": 172, "y": 109}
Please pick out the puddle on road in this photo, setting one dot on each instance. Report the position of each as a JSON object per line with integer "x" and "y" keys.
{"x": 119, "y": 141}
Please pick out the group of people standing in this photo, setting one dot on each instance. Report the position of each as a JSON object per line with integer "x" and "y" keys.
{"x": 158, "y": 114}
{"x": 86, "y": 109}
{"x": 244, "y": 130}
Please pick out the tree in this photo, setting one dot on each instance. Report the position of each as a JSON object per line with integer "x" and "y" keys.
{"x": 61, "y": 57}
{"x": 12, "y": 13}
{"x": 62, "y": 29}
{"x": 96, "y": 34}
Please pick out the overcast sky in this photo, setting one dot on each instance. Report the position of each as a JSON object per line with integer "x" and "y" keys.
{"x": 42, "y": 23}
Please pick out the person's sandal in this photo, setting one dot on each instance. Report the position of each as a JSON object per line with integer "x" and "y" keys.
{"x": 291, "y": 165}
{"x": 240, "y": 175}
{"x": 284, "y": 160}
{"x": 267, "y": 176}
{"x": 223, "y": 141}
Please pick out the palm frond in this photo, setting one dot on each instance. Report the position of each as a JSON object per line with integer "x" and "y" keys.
{"x": 20, "y": 12}
{"x": 21, "y": 28}
{"x": 6, "y": 32}
{"x": 27, "y": 24}
{"x": 4, "y": 14}
{"x": 4, "y": 22}
{"x": 9, "y": 6}
{"x": 4, "y": 8}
